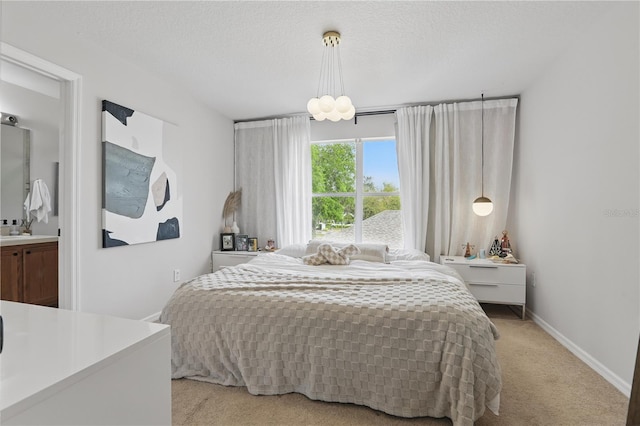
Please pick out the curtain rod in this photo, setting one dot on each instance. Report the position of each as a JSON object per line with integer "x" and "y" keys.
{"x": 390, "y": 110}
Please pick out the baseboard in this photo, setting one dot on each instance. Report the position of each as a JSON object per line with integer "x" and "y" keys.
{"x": 597, "y": 366}
{"x": 152, "y": 318}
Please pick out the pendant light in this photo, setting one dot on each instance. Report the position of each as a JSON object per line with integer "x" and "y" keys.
{"x": 324, "y": 105}
{"x": 482, "y": 206}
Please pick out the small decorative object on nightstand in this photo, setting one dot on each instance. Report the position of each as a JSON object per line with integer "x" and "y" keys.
{"x": 271, "y": 245}
{"x": 495, "y": 249}
{"x": 505, "y": 244}
{"x": 492, "y": 282}
{"x": 467, "y": 249}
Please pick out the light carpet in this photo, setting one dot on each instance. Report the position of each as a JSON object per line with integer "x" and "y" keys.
{"x": 543, "y": 384}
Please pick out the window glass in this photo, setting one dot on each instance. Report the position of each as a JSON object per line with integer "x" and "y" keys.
{"x": 356, "y": 191}
{"x": 380, "y": 166}
{"x": 333, "y": 167}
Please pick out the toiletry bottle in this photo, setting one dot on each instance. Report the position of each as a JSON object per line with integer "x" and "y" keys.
{"x": 14, "y": 228}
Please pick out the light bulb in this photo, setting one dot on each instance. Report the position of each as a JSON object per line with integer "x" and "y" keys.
{"x": 349, "y": 114}
{"x": 334, "y": 116}
{"x": 343, "y": 103}
{"x": 482, "y": 206}
{"x": 313, "y": 106}
{"x": 327, "y": 103}
{"x": 320, "y": 116}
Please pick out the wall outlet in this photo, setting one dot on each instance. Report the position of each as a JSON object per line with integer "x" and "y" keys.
{"x": 176, "y": 275}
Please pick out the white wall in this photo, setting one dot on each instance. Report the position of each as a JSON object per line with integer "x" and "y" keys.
{"x": 576, "y": 195}
{"x": 133, "y": 281}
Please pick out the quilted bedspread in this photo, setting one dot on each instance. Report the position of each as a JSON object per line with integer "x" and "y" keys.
{"x": 406, "y": 338}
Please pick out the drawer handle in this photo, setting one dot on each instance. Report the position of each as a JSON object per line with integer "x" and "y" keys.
{"x": 15, "y": 254}
{"x": 485, "y": 284}
{"x": 483, "y": 266}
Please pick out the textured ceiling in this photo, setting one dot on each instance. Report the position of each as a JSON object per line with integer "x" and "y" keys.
{"x": 260, "y": 59}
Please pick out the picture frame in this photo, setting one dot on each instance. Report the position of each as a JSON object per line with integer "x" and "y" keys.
{"x": 253, "y": 244}
{"x": 242, "y": 242}
{"x": 227, "y": 242}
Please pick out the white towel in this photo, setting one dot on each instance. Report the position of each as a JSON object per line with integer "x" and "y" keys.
{"x": 38, "y": 202}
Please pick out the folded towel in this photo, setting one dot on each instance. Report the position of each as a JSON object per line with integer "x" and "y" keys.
{"x": 38, "y": 202}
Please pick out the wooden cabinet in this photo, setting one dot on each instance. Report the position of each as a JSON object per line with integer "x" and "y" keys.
{"x": 30, "y": 273}
{"x": 11, "y": 268}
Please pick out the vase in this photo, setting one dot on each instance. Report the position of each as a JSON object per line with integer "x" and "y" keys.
{"x": 234, "y": 228}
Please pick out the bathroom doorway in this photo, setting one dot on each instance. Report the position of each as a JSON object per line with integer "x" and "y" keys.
{"x": 22, "y": 68}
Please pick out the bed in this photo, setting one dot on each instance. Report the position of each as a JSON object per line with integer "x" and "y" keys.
{"x": 404, "y": 337}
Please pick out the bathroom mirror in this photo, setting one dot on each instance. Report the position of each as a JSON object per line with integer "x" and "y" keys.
{"x": 14, "y": 169}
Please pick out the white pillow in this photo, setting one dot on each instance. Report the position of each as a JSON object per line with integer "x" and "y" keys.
{"x": 368, "y": 251}
{"x": 407, "y": 254}
{"x": 293, "y": 250}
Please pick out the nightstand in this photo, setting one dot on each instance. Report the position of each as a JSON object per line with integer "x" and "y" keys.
{"x": 492, "y": 282}
{"x": 222, "y": 259}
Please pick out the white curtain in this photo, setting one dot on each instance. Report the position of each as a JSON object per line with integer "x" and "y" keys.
{"x": 453, "y": 163}
{"x": 273, "y": 169}
{"x": 413, "y": 142}
{"x": 293, "y": 180}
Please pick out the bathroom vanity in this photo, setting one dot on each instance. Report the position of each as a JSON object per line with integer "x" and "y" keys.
{"x": 29, "y": 269}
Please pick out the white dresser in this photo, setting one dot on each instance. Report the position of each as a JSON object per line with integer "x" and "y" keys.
{"x": 61, "y": 367}
{"x": 492, "y": 282}
{"x": 222, "y": 259}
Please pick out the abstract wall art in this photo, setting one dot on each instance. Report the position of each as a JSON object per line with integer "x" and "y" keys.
{"x": 141, "y": 197}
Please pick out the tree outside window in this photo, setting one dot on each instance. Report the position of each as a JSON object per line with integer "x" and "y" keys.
{"x": 356, "y": 191}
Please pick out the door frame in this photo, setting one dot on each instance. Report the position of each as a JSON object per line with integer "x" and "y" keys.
{"x": 70, "y": 120}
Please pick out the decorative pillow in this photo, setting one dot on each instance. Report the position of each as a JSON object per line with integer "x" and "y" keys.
{"x": 328, "y": 254}
{"x": 370, "y": 252}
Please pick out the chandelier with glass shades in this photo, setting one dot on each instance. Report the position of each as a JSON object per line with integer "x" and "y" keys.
{"x": 326, "y": 106}
{"x": 482, "y": 206}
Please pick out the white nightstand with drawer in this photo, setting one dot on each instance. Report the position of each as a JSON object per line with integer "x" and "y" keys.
{"x": 492, "y": 282}
{"x": 222, "y": 259}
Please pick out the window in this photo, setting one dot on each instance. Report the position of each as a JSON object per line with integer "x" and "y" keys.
{"x": 355, "y": 187}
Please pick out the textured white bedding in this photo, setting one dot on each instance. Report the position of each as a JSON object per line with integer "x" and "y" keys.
{"x": 406, "y": 338}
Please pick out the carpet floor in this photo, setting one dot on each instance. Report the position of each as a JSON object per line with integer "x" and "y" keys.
{"x": 543, "y": 384}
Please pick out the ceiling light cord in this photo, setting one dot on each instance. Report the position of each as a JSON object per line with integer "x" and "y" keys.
{"x": 482, "y": 206}
{"x": 340, "y": 68}
{"x": 320, "y": 79}
{"x": 482, "y": 145}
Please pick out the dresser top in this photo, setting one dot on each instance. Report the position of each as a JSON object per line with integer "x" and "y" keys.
{"x": 238, "y": 253}
{"x": 461, "y": 260}
{"x": 46, "y": 349}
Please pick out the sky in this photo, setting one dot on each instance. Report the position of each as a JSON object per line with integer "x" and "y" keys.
{"x": 381, "y": 162}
